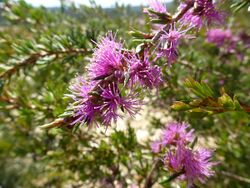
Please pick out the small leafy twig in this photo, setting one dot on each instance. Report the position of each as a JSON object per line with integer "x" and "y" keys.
{"x": 207, "y": 102}
{"x": 154, "y": 38}
{"x": 33, "y": 58}
{"x": 238, "y": 5}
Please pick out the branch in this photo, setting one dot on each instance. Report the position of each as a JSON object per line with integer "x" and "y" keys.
{"x": 57, "y": 123}
{"x": 176, "y": 18}
{"x": 181, "y": 13}
{"x": 149, "y": 182}
{"x": 36, "y": 56}
{"x": 236, "y": 177}
{"x": 245, "y": 107}
{"x": 14, "y": 104}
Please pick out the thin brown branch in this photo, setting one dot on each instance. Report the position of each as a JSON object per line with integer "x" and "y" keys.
{"x": 33, "y": 58}
{"x": 181, "y": 13}
{"x": 245, "y": 108}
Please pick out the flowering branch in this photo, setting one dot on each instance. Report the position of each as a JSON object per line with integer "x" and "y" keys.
{"x": 117, "y": 76}
{"x": 115, "y": 83}
{"x": 175, "y": 18}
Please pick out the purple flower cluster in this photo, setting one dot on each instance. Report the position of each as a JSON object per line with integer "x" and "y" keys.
{"x": 114, "y": 76}
{"x": 191, "y": 13}
{"x": 169, "y": 41}
{"x": 222, "y": 38}
{"x": 174, "y": 134}
{"x": 193, "y": 164}
{"x": 170, "y": 34}
{"x": 143, "y": 72}
{"x": 202, "y": 11}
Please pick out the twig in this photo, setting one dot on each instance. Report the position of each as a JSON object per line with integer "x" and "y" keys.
{"x": 245, "y": 107}
{"x": 149, "y": 182}
{"x": 9, "y": 101}
{"x": 184, "y": 63}
{"x": 33, "y": 58}
{"x": 236, "y": 177}
{"x": 176, "y": 18}
{"x": 57, "y": 123}
{"x": 179, "y": 14}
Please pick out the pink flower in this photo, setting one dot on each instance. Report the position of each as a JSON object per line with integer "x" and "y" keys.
{"x": 198, "y": 165}
{"x": 180, "y": 159}
{"x": 114, "y": 76}
{"x": 107, "y": 58}
{"x": 174, "y": 160}
{"x": 194, "y": 165}
{"x": 156, "y": 146}
{"x": 84, "y": 110}
{"x": 143, "y": 72}
{"x": 169, "y": 41}
{"x": 203, "y": 11}
{"x": 222, "y": 38}
{"x": 175, "y": 133}
{"x": 112, "y": 100}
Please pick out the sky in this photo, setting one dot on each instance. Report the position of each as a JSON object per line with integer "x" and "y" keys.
{"x": 103, "y": 3}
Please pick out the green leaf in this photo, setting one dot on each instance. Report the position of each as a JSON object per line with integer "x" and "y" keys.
{"x": 164, "y": 16}
{"x": 137, "y": 34}
{"x": 178, "y": 105}
{"x": 239, "y": 5}
{"x": 197, "y": 114}
{"x": 76, "y": 127}
{"x": 201, "y": 89}
{"x": 226, "y": 101}
{"x": 237, "y": 104}
{"x": 172, "y": 177}
{"x": 194, "y": 142}
{"x": 158, "y": 21}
